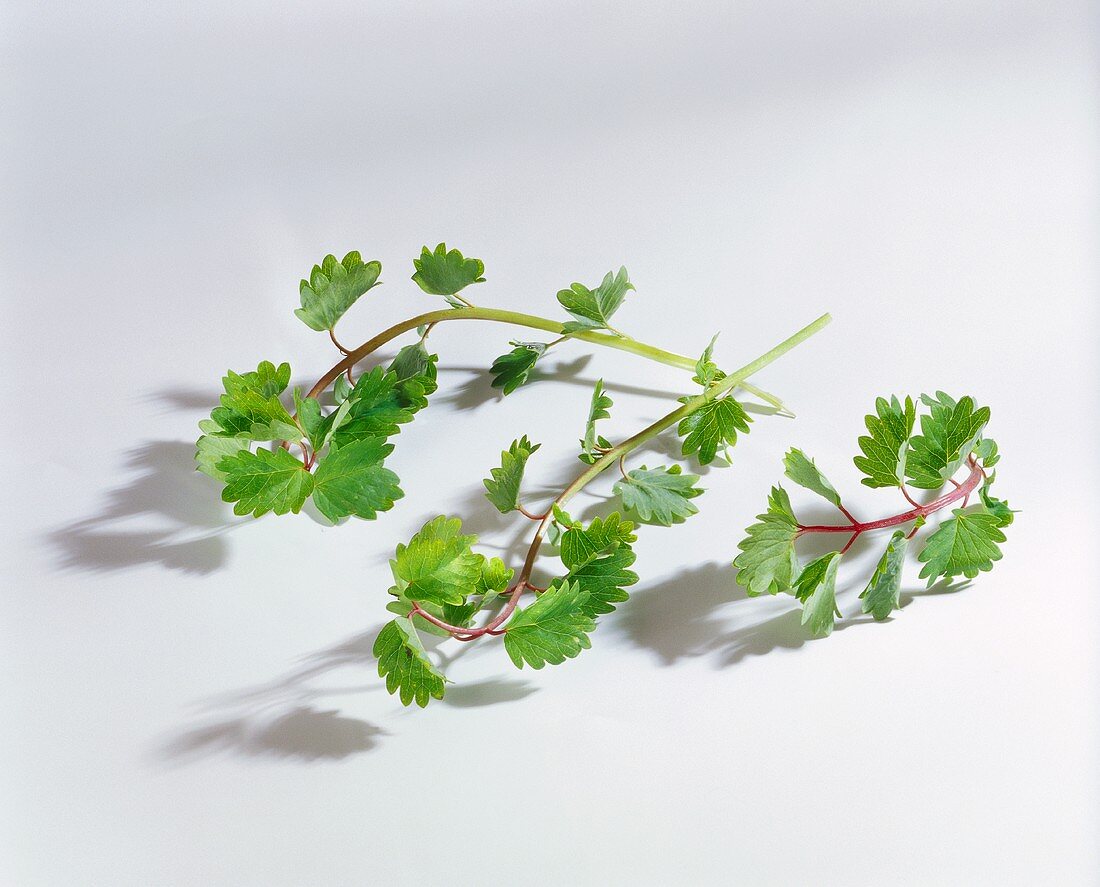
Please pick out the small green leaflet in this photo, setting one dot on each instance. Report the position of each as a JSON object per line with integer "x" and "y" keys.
{"x": 996, "y": 507}
{"x": 265, "y": 481}
{"x": 377, "y": 408}
{"x": 712, "y": 427}
{"x": 598, "y": 409}
{"x": 767, "y": 563}
{"x": 438, "y": 565}
{"x": 659, "y": 496}
{"x": 706, "y": 370}
{"x": 333, "y": 288}
{"x": 405, "y": 666}
{"x": 884, "y": 450}
{"x": 512, "y": 369}
{"x": 251, "y": 407}
{"x": 816, "y": 588}
{"x": 604, "y": 578}
{"x": 267, "y": 380}
{"x": 310, "y": 418}
{"x": 802, "y": 470}
{"x": 212, "y": 448}
{"x": 881, "y": 596}
{"x": 493, "y": 580}
{"x": 592, "y": 309}
{"x": 965, "y": 544}
{"x": 948, "y": 435}
{"x": 502, "y": 489}
{"x": 552, "y": 629}
{"x": 444, "y": 273}
{"x": 351, "y": 480}
{"x": 986, "y": 450}
{"x": 581, "y": 545}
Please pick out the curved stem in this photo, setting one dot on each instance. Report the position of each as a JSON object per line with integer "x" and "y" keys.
{"x": 733, "y": 380}
{"x": 613, "y": 455}
{"x": 961, "y": 491}
{"x": 516, "y": 318}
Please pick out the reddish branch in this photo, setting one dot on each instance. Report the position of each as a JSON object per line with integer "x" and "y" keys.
{"x": 856, "y": 528}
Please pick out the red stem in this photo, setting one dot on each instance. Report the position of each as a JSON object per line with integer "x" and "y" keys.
{"x": 961, "y": 491}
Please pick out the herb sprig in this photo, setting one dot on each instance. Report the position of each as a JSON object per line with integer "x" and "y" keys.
{"x": 329, "y": 445}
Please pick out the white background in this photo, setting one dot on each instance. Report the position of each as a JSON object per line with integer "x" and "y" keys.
{"x": 189, "y": 698}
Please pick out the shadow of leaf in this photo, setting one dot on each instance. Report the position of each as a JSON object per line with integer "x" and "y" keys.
{"x": 303, "y": 733}
{"x": 167, "y": 488}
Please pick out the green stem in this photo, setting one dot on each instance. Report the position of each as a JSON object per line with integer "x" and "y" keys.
{"x": 517, "y": 319}
{"x": 620, "y": 450}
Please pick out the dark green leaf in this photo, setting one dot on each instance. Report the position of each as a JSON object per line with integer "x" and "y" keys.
{"x": 444, "y": 273}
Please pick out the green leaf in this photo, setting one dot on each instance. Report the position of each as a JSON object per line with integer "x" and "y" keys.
{"x": 986, "y": 450}
{"x": 965, "y": 544}
{"x": 405, "y": 666}
{"x": 881, "y": 596}
{"x": 604, "y": 578}
{"x": 706, "y": 370}
{"x": 581, "y": 545}
{"x": 333, "y": 288}
{"x": 885, "y": 448}
{"x": 598, "y": 409}
{"x": 377, "y": 408}
{"x": 415, "y": 372}
{"x": 438, "y": 564}
{"x": 351, "y": 480}
{"x": 267, "y": 380}
{"x": 552, "y": 629}
{"x": 210, "y": 449}
{"x": 502, "y": 489}
{"x": 767, "y": 563}
{"x": 265, "y": 481}
{"x": 512, "y": 369}
{"x": 948, "y": 435}
{"x": 816, "y": 588}
{"x": 802, "y": 470}
{"x": 994, "y": 506}
{"x": 444, "y": 273}
{"x": 712, "y": 427}
{"x": 659, "y": 496}
{"x": 251, "y": 407}
{"x": 310, "y": 418}
{"x": 592, "y": 309}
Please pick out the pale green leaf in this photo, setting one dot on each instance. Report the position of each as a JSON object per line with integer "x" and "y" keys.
{"x": 802, "y": 470}
{"x": 881, "y": 596}
{"x": 659, "y": 496}
{"x": 333, "y": 287}
{"x": 502, "y": 488}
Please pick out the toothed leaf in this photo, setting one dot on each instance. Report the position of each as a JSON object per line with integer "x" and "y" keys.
{"x": 502, "y": 489}
{"x": 949, "y": 433}
{"x": 592, "y": 309}
{"x": 265, "y": 481}
{"x": 351, "y": 480}
{"x": 444, "y": 272}
{"x": 881, "y": 596}
{"x": 552, "y": 629}
{"x": 333, "y": 287}
{"x": 712, "y": 427}
{"x": 659, "y": 496}
{"x": 963, "y": 545}
{"x": 404, "y": 664}
{"x": 767, "y": 563}
{"x": 438, "y": 565}
{"x": 802, "y": 470}
{"x": 885, "y": 447}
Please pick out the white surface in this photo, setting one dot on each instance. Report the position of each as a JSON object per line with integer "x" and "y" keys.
{"x": 189, "y": 699}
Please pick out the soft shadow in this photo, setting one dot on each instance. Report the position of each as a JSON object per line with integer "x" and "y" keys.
{"x": 303, "y": 733}
{"x": 165, "y": 488}
{"x": 491, "y": 691}
{"x": 676, "y": 619}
